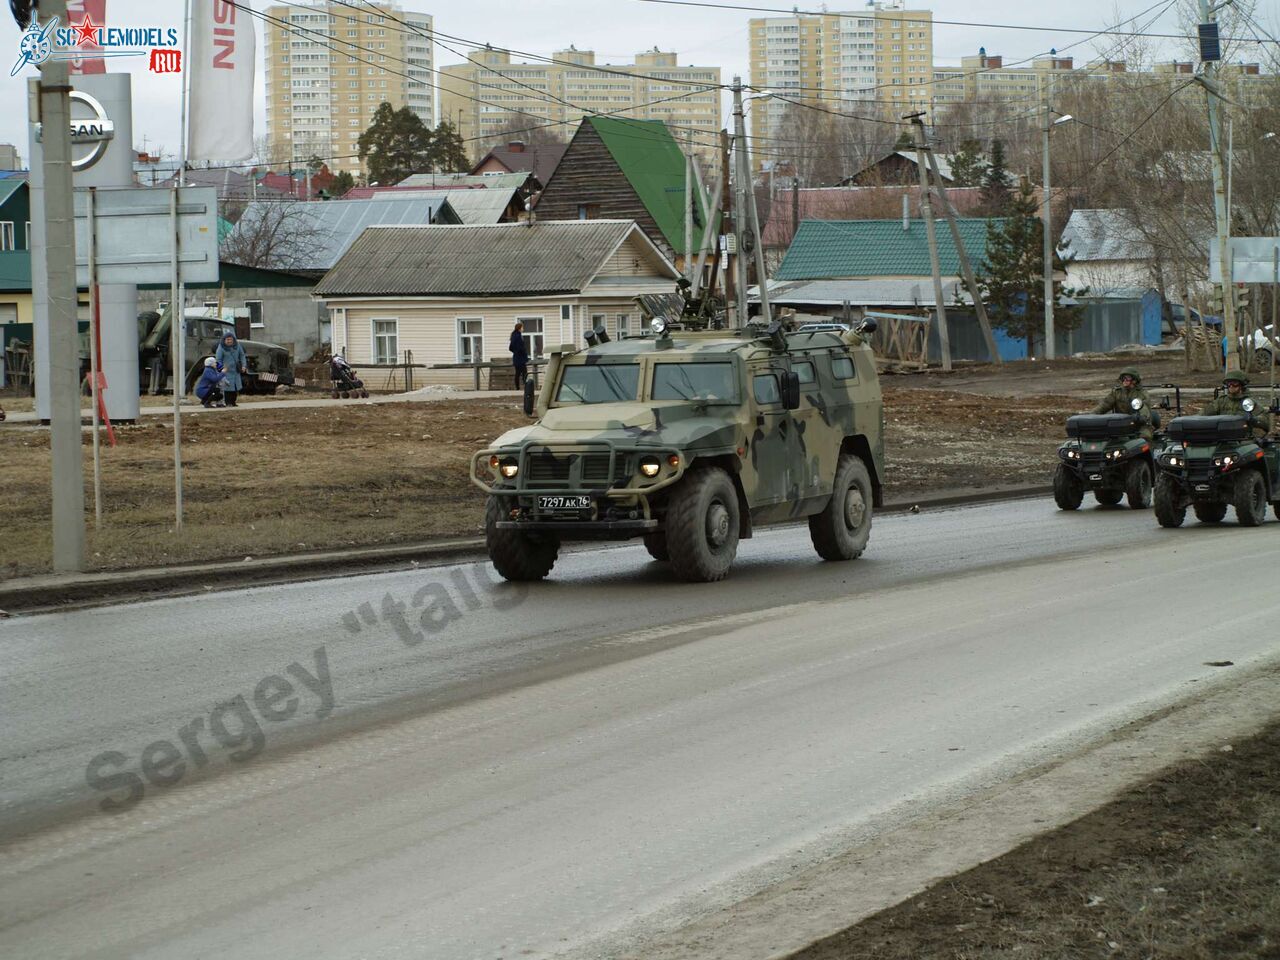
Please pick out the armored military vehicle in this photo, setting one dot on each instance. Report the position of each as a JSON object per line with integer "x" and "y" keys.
{"x": 1210, "y": 463}
{"x": 269, "y": 364}
{"x": 1107, "y": 454}
{"x": 690, "y": 440}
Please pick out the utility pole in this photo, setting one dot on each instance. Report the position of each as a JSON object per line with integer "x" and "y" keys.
{"x": 926, "y": 212}
{"x": 741, "y": 212}
{"x": 1210, "y": 55}
{"x": 67, "y": 463}
{"x": 966, "y": 267}
{"x": 1047, "y": 215}
{"x": 726, "y": 220}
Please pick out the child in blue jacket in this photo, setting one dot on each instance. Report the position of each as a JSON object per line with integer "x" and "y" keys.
{"x": 209, "y": 386}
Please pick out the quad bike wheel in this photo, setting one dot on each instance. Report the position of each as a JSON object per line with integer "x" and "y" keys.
{"x": 1168, "y": 511}
{"x": 1068, "y": 491}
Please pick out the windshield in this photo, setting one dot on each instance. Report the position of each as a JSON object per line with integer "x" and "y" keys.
{"x": 694, "y": 381}
{"x": 598, "y": 383}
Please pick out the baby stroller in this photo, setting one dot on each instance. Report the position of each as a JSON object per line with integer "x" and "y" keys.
{"x": 345, "y": 382}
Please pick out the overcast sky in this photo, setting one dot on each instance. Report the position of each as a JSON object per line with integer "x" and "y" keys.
{"x": 616, "y": 30}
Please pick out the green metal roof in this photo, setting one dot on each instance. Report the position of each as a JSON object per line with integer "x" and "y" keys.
{"x": 825, "y": 249}
{"x": 15, "y": 271}
{"x": 653, "y": 164}
{"x": 9, "y": 187}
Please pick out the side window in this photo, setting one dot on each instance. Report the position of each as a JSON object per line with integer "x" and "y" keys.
{"x": 765, "y": 387}
{"x": 842, "y": 368}
{"x": 804, "y": 370}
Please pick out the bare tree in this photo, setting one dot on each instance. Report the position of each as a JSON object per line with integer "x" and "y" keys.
{"x": 275, "y": 234}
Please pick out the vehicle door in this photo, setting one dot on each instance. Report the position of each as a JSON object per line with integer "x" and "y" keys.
{"x": 811, "y": 449}
{"x": 770, "y": 437}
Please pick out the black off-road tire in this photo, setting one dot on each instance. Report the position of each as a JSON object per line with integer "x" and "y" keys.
{"x": 1108, "y": 498}
{"x": 702, "y": 526}
{"x": 1250, "y": 499}
{"x": 841, "y": 530}
{"x": 1138, "y": 484}
{"x": 1068, "y": 491}
{"x": 517, "y": 555}
{"x": 1275, "y": 509}
{"x": 656, "y": 544}
{"x": 1209, "y": 512}
{"x": 1165, "y": 499}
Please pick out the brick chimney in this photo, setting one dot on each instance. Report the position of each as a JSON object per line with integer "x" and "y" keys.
{"x": 516, "y": 146}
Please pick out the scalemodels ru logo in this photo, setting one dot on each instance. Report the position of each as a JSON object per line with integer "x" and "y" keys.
{"x": 52, "y": 42}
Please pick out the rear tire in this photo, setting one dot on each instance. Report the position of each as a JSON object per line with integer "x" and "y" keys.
{"x": 517, "y": 555}
{"x": 841, "y": 530}
{"x": 1068, "y": 491}
{"x": 1209, "y": 512}
{"x": 1108, "y": 498}
{"x": 702, "y": 526}
{"x": 656, "y": 544}
{"x": 1165, "y": 498}
{"x": 1137, "y": 485}
{"x": 1250, "y": 499}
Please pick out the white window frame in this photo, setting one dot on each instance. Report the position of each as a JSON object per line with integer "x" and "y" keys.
{"x": 566, "y": 317}
{"x": 603, "y": 319}
{"x": 622, "y": 325}
{"x": 8, "y": 235}
{"x": 373, "y": 339}
{"x": 262, "y": 317}
{"x": 460, "y": 338}
{"x": 540, "y": 335}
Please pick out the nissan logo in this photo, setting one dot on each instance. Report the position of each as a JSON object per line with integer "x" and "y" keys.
{"x": 96, "y": 130}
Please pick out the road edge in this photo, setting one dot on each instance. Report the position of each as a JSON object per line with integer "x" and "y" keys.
{"x": 44, "y": 593}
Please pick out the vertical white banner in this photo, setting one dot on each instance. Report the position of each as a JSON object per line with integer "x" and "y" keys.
{"x": 221, "y": 66}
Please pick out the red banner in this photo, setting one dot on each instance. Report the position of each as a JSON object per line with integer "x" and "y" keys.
{"x": 96, "y": 11}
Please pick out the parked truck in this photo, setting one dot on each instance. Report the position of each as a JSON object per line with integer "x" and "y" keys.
{"x": 269, "y": 364}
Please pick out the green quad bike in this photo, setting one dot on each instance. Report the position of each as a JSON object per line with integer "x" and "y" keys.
{"x": 1210, "y": 463}
{"x": 1107, "y": 454}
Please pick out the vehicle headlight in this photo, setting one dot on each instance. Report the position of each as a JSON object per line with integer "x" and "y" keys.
{"x": 509, "y": 467}
{"x": 1173, "y": 460}
{"x": 650, "y": 466}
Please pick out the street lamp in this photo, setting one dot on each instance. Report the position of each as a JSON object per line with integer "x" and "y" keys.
{"x": 1049, "y": 124}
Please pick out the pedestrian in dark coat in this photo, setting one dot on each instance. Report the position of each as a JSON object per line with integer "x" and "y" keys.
{"x": 234, "y": 363}
{"x": 519, "y": 354}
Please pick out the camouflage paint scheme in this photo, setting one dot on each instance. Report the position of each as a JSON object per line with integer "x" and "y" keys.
{"x": 782, "y": 462}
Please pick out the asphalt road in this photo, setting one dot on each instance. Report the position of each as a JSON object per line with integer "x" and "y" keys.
{"x": 461, "y": 770}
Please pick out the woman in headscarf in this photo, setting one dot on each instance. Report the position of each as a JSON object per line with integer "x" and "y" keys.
{"x": 232, "y": 359}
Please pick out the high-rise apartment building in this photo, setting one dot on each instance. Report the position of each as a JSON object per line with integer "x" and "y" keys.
{"x": 329, "y": 68}
{"x": 491, "y": 99}
{"x": 874, "y": 62}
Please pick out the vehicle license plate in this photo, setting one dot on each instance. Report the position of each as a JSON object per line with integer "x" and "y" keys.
{"x": 582, "y": 502}
{"x": 269, "y": 377}
{"x": 1202, "y": 488}
{"x": 1095, "y": 476}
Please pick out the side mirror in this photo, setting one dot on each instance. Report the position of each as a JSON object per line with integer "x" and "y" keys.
{"x": 1164, "y": 404}
{"x": 528, "y": 396}
{"x": 790, "y": 390}
{"x": 868, "y": 326}
{"x": 1135, "y": 404}
{"x": 1247, "y": 405}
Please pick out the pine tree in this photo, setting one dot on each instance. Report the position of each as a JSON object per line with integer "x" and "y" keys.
{"x": 342, "y": 183}
{"x": 968, "y": 166}
{"x": 1011, "y": 278}
{"x": 905, "y": 141}
{"x": 448, "y": 154}
{"x": 396, "y": 145}
{"x": 995, "y": 182}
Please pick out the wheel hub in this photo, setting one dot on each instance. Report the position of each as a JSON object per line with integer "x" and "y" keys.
{"x": 717, "y": 524}
{"x": 855, "y": 508}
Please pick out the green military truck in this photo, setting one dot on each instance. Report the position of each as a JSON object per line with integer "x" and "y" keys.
{"x": 690, "y": 440}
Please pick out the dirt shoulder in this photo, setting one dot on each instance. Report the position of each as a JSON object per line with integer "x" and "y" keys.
{"x": 1186, "y": 866}
{"x": 274, "y": 481}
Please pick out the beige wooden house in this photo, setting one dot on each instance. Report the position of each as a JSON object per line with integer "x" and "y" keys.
{"x": 450, "y": 294}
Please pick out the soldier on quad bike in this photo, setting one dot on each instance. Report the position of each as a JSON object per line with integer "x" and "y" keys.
{"x": 1231, "y": 403}
{"x": 1120, "y": 400}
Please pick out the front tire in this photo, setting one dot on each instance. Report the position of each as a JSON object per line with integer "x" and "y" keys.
{"x": 1137, "y": 485}
{"x": 517, "y": 555}
{"x": 656, "y": 544}
{"x": 841, "y": 530}
{"x": 1168, "y": 511}
{"x": 1209, "y": 512}
{"x": 1250, "y": 499}
{"x": 1068, "y": 491}
{"x": 702, "y": 526}
{"x": 1108, "y": 498}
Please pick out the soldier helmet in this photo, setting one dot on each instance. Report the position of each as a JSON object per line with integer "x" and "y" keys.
{"x": 1130, "y": 372}
{"x": 1237, "y": 376}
